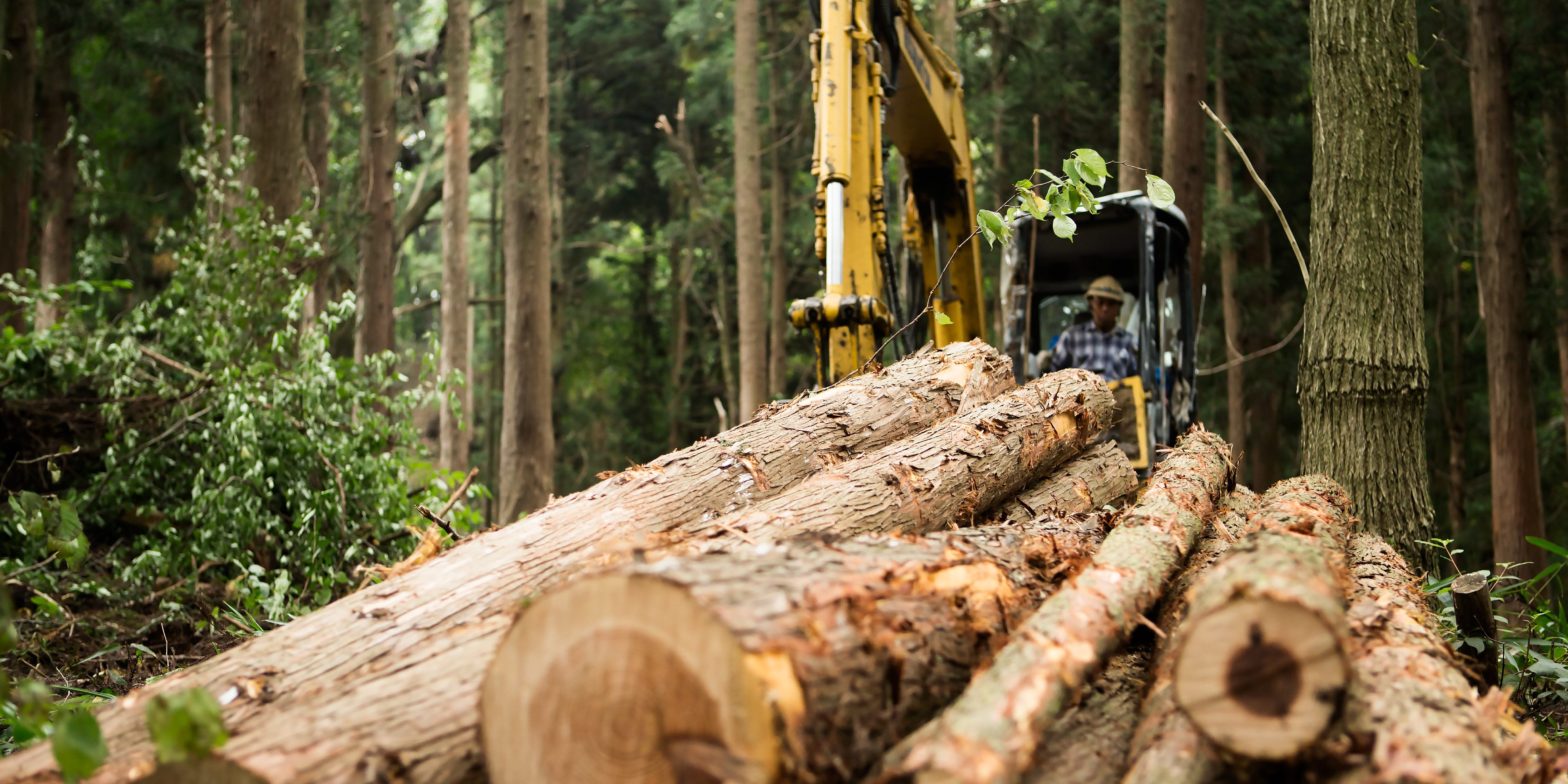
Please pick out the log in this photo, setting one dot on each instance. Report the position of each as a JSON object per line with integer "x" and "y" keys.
{"x": 1167, "y": 748}
{"x": 1262, "y": 661}
{"x": 1473, "y": 616}
{"x": 383, "y": 681}
{"x": 803, "y": 661}
{"x": 989, "y": 733}
{"x": 1089, "y": 744}
{"x": 1411, "y": 715}
{"x": 1100, "y": 476}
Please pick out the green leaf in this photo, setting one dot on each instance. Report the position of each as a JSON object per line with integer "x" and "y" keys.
{"x": 1091, "y": 166}
{"x": 78, "y": 745}
{"x": 185, "y": 724}
{"x": 1415, "y": 62}
{"x": 1160, "y": 191}
{"x": 991, "y": 226}
{"x": 1024, "y": 185}
{"x": 1070, "y": 168}
{"x": 1064, "y": 227}
{"x": 1034, "y": 205}
{"x": 943, "y": 319}
{"x": 1548, "y": 546}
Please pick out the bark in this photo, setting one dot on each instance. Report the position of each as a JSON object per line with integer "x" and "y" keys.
{"x": 318, "y": 145}
{"x": 378, "y": 147}
{"x": 1473, "y": 615}
{"x": 779, "y": 269}
{"x": 1101, "y": 475}
{"x": 1134, "y": 145}
{"x": 804, "y": 661}
{"x": 1235, "y": 376}
{"x": 1186, "y": 73}
{"x": 57, "y": 190}
{"x": 1089, "y": 744}
{"x": 527, "y": 432}
{"x": 1410, "y": 715}
{"x": 1556, "y": 126}
{"x": 1260, "y": 663}
{"x": 1363, "y": 377}
{"x": 989, "y": 734}
{"x": 945, "y": 26}
{"x": 750, "y": 288}
{"x": 412, "y": 218}
{"x": 676, "y": 404}
{"x": 276, "y": 43}
{"x": 18, "y": 74}
{"x": 1516, "y": 479}
{"x": 348, "y": 692}
{"x": 220, "y": 77}
{"x": 454, "y": 241}
{"x": 1167, "y": 747}
{"x": 1455, "y": 419}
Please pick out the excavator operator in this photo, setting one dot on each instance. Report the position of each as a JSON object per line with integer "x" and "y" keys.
{"x": 1099, "y": 344}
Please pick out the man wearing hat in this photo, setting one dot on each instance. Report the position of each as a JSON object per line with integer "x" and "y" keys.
{"x": 1099, "y": 345}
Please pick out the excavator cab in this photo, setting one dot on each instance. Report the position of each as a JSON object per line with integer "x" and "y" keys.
{"x": 1145, "y": 248}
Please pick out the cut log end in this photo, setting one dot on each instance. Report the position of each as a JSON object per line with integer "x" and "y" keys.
{"x": 1261, "y": 678}
{"x": 642, "y": 685}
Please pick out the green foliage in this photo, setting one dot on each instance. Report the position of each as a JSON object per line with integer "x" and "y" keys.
{"x": 78, "y": 745}
{"x": 185, "y": 724}
{"x": 1083, "y": 173}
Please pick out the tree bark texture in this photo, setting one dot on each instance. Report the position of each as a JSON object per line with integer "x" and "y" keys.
{"x": 1089, "y": 744}
{"x": 989, "y": 734}
{"x": 1235, "y": 376}
{"x": 1363, "y": 376}
{"x": 1410, "y": 714}
{"x": 1516, "y": 479}
{"x": 1134, "y": 145}
{"x": 822, "y": 656}
{"x": 1473, "y": 615}
{"x": 779, "y": 268}
{"x": 944, "y": 476}
{"x": 1100, "y": 476}
{"x": 57, "y": 189}
{"x": 1556, "y": 127}
{"x": 18, "y": 75}
{"x": 1261, "y": 661}
{"x": 220, "y": 77}
{"x": 1167, "y": 747}
{"x": 346, "y": 690}
{"x": 454, "y": 240}
{"x": 378, "y": 149}
{"x": 750, "y": 286}
{"x": 527, "y": 431}
{"x": 276, "y": 42}
{"x": 318, "y": 144}
{"x": 944, "y": 27}
{"x": 1186, "y": 75}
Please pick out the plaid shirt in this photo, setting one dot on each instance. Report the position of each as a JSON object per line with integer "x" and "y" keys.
{"x": 1112, "y": 354}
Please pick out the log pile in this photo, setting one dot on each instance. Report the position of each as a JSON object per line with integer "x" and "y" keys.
{"x": 925, "y": 574}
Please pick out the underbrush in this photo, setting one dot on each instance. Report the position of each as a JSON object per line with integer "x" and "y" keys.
{"x": 190, "y": 469}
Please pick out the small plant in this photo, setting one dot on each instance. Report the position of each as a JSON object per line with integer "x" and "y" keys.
{"x": 185, "y": 724}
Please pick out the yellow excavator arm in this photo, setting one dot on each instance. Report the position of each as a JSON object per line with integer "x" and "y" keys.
{"x": 877, "y": 74}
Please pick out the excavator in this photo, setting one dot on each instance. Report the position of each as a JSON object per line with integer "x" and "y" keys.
{"x": 880, "y": 82}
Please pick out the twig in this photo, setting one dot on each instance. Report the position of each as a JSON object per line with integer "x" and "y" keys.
{"x": 457, "y": 494}
{"x": 431, "y": 516}
{"x": 173, "y": 363}
{"x": 1285, "y": 341}
{"x": 1290, "y": 235}
{"x": 50, "y": 456}
{"x": 342, "y": 496}
{"x": 26, "y": 569}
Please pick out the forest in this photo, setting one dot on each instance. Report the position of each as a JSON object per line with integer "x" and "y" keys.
{"x": 297, "y": 293}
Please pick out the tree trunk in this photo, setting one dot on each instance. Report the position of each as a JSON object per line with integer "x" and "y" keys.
{"x": 1136, "y": 92}
{"x": 1260, "y": 663}
{"x": 276, "y": 40}
{"x": 454, "y": 240}
{"x": 990, "y": 733}
{"x": 329, "y": 717}
{"x": 220, "y": 78}
{"x": 1516, "y": 479}
{"x": 1474, "y": 618}
{"x": 1167, "y": 747}
{"x": 780, "y": 270}
{"x": 1235, "y": 376}
{"x": 318, "y": 144}
{"x": 1186, "y": 74}
{"x": 1099, "y": 476}
{"x": 1556, "y": 125}
{"x": 1089, "y": 744}
{"x": 378, "y": 149}
{"x": 1363, "y": 375}
{"x": 18, "y": 74}
{"x": 719, "y": 312}
{"x": 527, "y": 432}
{"x": 675, "y": 413}
{"x": 750, "y": 288}
{"x": 805, "y": 661}
{"x": 57, "y": 190}
{"x": 944, "y": 27}
{"x": 1410, "y": 714}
